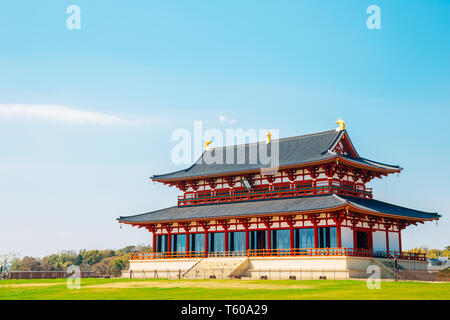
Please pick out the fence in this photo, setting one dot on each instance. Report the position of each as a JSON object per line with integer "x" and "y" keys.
{"x": 322, "y": 186}
{"x": 351, "y": 252}
{"x": 288, "y": 274}
{"x": 184, "y": 255}
{"x": 48, "y": 274}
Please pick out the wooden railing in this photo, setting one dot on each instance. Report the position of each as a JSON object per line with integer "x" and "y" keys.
{"x": 352, "y": 252}
{"x": 322, "y": 186}
{"x": 167, "y": 255}
{"x": 295, "y": 252}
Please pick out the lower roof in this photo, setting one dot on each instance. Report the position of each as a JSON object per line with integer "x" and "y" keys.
{"x": 278, "y": 206}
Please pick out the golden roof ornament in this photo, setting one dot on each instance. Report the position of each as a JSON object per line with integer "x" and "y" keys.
{"x": 341, "y": 124}
{"x": 269, "y": 136}
{"x": 207, "y": 143}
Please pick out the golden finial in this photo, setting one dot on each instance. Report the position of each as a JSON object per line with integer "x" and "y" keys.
{"x": 269, "y": 136}
{"x": 207, "y": 143}
{"x": 341, "y": 124}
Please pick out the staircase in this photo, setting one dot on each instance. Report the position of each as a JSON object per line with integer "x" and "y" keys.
{"x": 216, "y": 268}
{"x": 387, "y": 266}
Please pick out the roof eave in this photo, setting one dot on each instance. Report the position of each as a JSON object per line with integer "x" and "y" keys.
{"x": 300, "y": 165}
{"x": 345, "y": 205}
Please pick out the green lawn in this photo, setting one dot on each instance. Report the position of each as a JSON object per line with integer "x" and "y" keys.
{"x": 219, "y": 289}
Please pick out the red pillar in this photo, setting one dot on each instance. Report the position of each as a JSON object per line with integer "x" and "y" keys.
{"x": 169, "y": 242}
{"x": 245, "y": 223}
{"x": 291, "y": 236}
{"x": 400, "y": 241}
{"x": 187, "y": 241}
{"x": 269, "y": 245}
{"x": 246, "y": 239}
{"x": 316, "y": 236}
{"x": 154, "y": 243}
{"x": 226, "y": 239}
{"x": 206, "y": 243}
{"x": 338, "y": 236}
{"x": 387, "y": 239}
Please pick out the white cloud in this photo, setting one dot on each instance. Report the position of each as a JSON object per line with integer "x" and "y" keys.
{"x": 59, "y": 113}
{"x": 223, "y": 119}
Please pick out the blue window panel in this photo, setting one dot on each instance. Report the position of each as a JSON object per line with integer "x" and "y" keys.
{"x": 327, "y": 237}
{"x": 304, "y": 238}
{"x": 236, "y": 241}
{"x": 178, "y": 243}
{"x": 257, "y": 239}
{"x": 281, "y": 239}
{"x": 162, "y": 243}
{"x": 197, "y": 241}
{"x": 216, "y": 242}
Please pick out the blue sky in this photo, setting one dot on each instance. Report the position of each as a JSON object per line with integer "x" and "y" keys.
{"x": 155, "y": 66}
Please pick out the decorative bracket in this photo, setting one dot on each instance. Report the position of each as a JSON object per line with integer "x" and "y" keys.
{"x": 167, "y": 226}
{"x": 204, "y": 224}
{"x": 186, "y": 226}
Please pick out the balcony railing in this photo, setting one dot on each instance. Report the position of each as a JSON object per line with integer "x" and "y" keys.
{"x": 351, "y": 252}
{"x": 320, "y": 187}
{"x": 294, "y": 252}
{"x": 167, "y": 255}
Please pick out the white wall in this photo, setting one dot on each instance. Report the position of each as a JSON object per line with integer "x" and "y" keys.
{"x": 347, "y": 237}
{"x": 297, "y": 263}
{"x": 393, "y": 241}
{"x": 379, "y": 240}
{"x": 163, "y": 264}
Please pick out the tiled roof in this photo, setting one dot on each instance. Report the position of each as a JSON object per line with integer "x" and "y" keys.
{"x": 294, "y": 150}
{"x": 263, "y": 207}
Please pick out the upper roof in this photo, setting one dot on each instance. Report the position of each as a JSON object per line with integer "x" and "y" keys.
{"x": 304, "y": 149}
{"x": 279, "y": 206}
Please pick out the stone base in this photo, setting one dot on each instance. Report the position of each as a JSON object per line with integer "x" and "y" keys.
{"x": 299, "y": 268}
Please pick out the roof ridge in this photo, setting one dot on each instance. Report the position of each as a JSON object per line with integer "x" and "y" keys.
{"x": 378, "y": 162}
{"x": 395, "y": 205}
{"x": 140, "y": 214}
{"x": 279, "y": 139}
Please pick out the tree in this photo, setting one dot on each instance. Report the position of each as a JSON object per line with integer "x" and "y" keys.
{"x": 27, "y": 264}
{"x": 78, "y": 260}
{"x": 8, "y": 258}
{"x": 93, "y": 257}
{"x": 6, "y": 262}
{"x": 101, "y": 268}
{"x": 117, "y": 266}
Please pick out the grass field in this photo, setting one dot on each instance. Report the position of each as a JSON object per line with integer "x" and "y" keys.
{"x": 219, "y": 289}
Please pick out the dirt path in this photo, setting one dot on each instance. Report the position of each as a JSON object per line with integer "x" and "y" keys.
{"x": 194, "y": 284}
{"x": 30, "y": 285}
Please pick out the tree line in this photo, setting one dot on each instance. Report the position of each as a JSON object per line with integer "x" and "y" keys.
{"x": 104, "y": 262}
{"x": 432, "y": 253}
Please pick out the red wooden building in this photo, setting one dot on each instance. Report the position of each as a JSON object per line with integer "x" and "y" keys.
{"x": 316, "y": 203}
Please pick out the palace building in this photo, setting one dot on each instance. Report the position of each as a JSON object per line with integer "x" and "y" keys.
{"x": 314, "y": 211}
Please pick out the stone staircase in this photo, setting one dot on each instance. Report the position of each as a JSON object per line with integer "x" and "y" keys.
{"x": 216, "y": 268}
{"x": 387, "y": 267}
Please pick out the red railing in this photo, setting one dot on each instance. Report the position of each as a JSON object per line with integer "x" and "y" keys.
{"x": 323, "y": 186}
{"x": 351, "y": 252}
{"x": 167, "y": 255}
